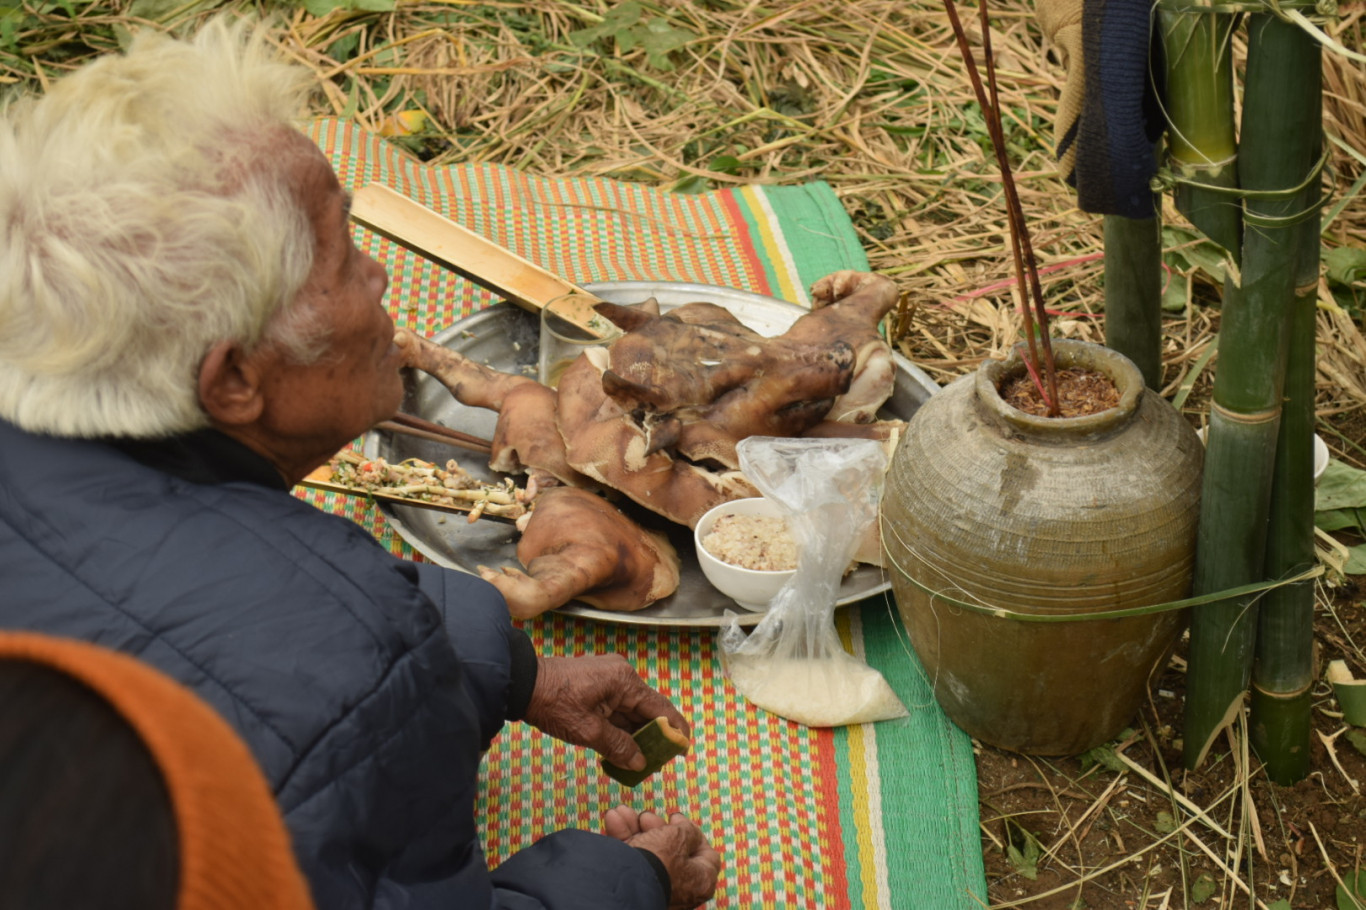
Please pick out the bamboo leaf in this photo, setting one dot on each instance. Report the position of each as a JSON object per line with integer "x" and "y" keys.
{"x": 693, "y": 183}
{"x": 1340, "y": 519}
{"x": 1188, "y": 384}
{"x": 1345, "y": 264}
{"x": 1354, "y": 899}
{"x": 1341, "y": 487}
{"x": 1356, "y": 560}
{"x": 1187, "y": 249}
{"x": 659, "y": 38}
{"x": 618, "y": 20}
{"x": 1022, "y": 849}
{"x": 1203, "y": 888}
{"x": 1175, "y": 293}
{"x": 1350, "y": 692}
{"x": 1101, "y": 756}
{"x": 726, "y": 164}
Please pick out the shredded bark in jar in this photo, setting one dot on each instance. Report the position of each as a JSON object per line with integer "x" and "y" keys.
{"x": 1080, "y": 393}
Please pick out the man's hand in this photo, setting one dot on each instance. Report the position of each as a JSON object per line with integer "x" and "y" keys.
{"x": 692, "y": 863}
{"x": 597, "y": 702}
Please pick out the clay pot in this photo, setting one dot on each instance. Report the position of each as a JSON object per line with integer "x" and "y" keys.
{"x": 1050, "y": 517}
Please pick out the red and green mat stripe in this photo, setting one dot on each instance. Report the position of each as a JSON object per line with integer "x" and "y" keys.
{"x": 881, "y": 815}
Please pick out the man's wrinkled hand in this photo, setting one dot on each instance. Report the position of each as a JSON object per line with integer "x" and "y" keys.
{"x": 692, "y": 863}
{"x": 597, "y": 702}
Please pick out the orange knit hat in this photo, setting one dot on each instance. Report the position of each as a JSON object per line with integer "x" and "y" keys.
{"x": 235, "y": 853}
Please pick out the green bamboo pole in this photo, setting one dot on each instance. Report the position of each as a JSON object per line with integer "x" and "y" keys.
{"x": 1280, "y": 128}
{"x": 1200, "y": 129}
{"x": 1283, "y": 671}
{"x": 1133, "y": 292}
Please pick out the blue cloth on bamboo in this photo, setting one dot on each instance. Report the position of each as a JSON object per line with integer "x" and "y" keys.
{"x": 1110, "y": 117}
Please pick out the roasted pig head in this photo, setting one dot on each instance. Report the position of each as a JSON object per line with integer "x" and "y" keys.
{"x": 847, "y": 307}
{"x": 687, "y": 357}
{"x": 613, "y": 446}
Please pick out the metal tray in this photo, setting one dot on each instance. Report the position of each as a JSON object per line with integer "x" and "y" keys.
{"x": 506, "y": 337}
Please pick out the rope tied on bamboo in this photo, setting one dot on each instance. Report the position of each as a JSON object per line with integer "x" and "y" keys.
{"x": 1000, "y": 612}
{"x": 1324, "y": 10}
{"x": 1166, "y": 179}
{"x": 1324, "y": 13}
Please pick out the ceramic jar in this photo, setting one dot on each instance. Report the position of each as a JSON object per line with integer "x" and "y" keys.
{"x": 1050, "y": 517}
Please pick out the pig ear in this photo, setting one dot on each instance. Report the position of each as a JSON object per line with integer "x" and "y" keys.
{"x": 629, "y": 318}
{"x": 230, "y": 386}
{"x": 631, "y": 394}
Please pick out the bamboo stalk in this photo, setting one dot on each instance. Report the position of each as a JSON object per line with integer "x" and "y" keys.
{"x": 1133, "y": 293}
{"x": 1283, "y": 672}
{"x": 1280, "y": 129}
{"x": 1200, "y": 135}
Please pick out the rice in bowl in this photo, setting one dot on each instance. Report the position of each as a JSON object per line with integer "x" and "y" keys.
{"x": 760, "y": 542}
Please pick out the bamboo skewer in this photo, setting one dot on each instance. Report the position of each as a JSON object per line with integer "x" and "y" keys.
{"x": 491, "y": 501}
{"x": 410, "y": 425}
{"x": 475, "y": 509}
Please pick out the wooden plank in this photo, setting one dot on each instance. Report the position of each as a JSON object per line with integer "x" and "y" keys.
{"x": 438, "y": 238}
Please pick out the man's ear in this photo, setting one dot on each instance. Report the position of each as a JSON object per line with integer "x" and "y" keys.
{"x": 230, "y": 385}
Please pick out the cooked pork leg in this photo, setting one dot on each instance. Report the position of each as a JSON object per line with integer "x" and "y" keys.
{"x": 575, "y": 545}
{"x": 525, "y": 437}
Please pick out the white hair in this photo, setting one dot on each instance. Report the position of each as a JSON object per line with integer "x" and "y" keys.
{"x": 144, "y": 217}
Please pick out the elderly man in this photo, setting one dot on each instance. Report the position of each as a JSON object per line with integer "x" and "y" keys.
{"x": 186, "y": 329}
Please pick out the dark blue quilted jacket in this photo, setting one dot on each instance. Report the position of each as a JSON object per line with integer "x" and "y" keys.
{"x": 365, "y": 685}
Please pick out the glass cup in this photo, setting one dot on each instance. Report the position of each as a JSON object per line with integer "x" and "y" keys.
{"x": 563, "y": 340}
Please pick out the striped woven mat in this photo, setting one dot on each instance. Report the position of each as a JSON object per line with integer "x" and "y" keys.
{"x": 879, "y": 815}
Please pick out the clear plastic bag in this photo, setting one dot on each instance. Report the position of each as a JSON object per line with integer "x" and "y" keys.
{"x": 792, "y": 663}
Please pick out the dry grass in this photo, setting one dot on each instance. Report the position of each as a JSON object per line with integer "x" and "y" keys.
{"x": 868, "y": 96}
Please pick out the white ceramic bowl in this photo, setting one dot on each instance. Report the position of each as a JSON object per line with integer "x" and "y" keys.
{"x": 750, "y": 588}
{"x": 1320, "y": 452}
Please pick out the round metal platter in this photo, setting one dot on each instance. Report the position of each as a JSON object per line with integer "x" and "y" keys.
{"x": 506, "y": 337}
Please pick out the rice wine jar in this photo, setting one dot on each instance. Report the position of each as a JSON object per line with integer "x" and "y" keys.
{"x": 1048, "y": 517}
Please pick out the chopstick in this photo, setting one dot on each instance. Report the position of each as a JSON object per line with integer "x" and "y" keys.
{"x": 409, "y": 425}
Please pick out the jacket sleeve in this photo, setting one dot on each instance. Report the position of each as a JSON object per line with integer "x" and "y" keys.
{"x": 498, "y": 657}
{"x": 577, "y": 870}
